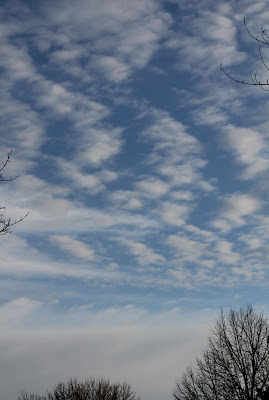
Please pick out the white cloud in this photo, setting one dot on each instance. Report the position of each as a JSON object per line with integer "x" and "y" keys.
{"x": 15, "y": 61}
{"x": 15, "y": 311}
{"x": 184, "y": 195}
{"x": 206, "y": 235}
{"x": 114, "y": 69}
{"x": 236, "y": 209}
{"x": 95, "y": 142}
{"x": 28, "y": 129}
{"x": 74, "y": 247}
{"x": 176, "y": 154}
{"x": 56, "y": 97}
{"x": 152, "y": 187}
{"x": 189, "y": 250}
{"x": 51, "y": 209}
{"x": 221, "y": 224}
{"x": 249, "y": 149}
{"x": 183, "y": 277}
{"x": 174, "y": 214}
{"x": 170, "y": 136}
{"x": 120, "y": 39}
{"x": 98, "y": 145}
{"x": 225, "y": 254}
{"x": 32, "y": 187}
{"x": 216, "y": 42}
{"x": 69, "y": 170}
{"x": 130, "y": 197}
{"x": 144, "y": 254}
{"x": 20, "y": 260}
{"x": 67, "y": 55}
{"x": 250, "y": 272}
{"x": 123, "y": 343}
{"x": 252, "y": 242}
{"x": 238, "y": 206}
{"x": 209, "y": 115}
{"x": 203, "y": 260}
{"x": 61, "y": 100}
{"x": 127, "y": 198}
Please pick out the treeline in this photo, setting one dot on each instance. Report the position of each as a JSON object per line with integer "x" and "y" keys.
{"x": 234, "y": 366}
{"x": 89, "y": 389}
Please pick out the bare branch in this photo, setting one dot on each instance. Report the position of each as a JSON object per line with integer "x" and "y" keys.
{"x": 254, "y": 79}
{"x": 261, "y": 57}
{"x": 5, "y": 222}
{"x": 90, "y": 389}
{"x": 234, "y": 365}
{"x": 255, "y": 82}
{"x": 263, "y": 31}
{"x": 2, "y": 179}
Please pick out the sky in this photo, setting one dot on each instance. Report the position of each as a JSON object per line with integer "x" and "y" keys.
{"x": 144, "y": 170}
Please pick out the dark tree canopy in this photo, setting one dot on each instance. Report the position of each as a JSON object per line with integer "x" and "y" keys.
{"x": 263, "y": 39}
{"x": 89, "y": 389}
{"x": 5, "y": 222}
{"x": 235, "y": 364}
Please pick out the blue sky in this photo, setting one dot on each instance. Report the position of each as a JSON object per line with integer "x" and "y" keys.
{"x": 144, "y": 169}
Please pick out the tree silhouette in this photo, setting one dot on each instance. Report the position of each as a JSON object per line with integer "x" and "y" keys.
{"x": 89, "y": 389}
{"x": 235, "y": 364}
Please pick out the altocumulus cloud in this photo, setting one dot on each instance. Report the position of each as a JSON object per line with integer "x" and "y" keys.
{"x": 144, "y": 169}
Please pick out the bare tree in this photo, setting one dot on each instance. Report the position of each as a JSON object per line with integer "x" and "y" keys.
{"x": 5, "y": 222}
{"x": 235, "y": 364}
{"x": 89, "y": 389}
{"x": 254, "y": 80}
{"x": 25, "y": 396}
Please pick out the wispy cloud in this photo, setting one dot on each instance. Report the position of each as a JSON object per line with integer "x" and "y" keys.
{"x": 177, "y": 154}
{"x": 152, "y": 187}
{"x": 236, "y": 208}
{"x": 174, "y": 214}
{"x": 210, "y": 40}
{"x": 144, "y": 254}
{"x": 73, "y": 246}
{"x": 249, "y": 148}
{"x": 118, "y": 40}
